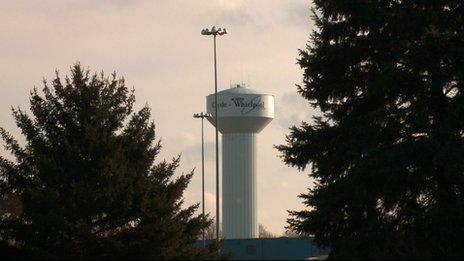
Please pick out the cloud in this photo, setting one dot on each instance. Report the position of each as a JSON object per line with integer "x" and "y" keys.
{"x": 236, "y": 17}
{"x": 298, "y": 14}
{"x": 193, "y": 153}
{"x": 293, "y": 109}
{"x": 284, "y": 184}
{"x": 210, "y": 199}
{"x": 188, "y": 138}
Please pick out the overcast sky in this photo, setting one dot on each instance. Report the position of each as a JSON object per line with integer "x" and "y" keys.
{"x": 156, "y": 45}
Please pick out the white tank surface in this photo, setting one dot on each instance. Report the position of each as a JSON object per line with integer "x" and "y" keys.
{"x": 242, "y": 110}
{"x": 242, "y": 114}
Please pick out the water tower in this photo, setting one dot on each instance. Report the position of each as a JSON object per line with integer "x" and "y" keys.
{"x": 242, "y": 114}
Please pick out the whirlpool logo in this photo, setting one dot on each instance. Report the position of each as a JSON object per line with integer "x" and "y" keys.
{"x": 246, "y": 106}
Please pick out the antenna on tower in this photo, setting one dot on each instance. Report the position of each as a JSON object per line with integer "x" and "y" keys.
{"x": 241, "y": 74}
{"x": 248, "y": 80}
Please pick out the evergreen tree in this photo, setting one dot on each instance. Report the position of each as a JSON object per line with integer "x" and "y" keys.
{"x": 87, "y": 181}
{"x": 387, "y": 154}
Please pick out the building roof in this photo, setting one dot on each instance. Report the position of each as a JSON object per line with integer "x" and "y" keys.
{"x": 283, "y": 248}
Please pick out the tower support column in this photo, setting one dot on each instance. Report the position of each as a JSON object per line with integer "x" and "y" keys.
{"x": 239, "y": 184}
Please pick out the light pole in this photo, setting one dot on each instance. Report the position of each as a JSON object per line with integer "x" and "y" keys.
{"x": 202, "y": 115}
{"x": 215, "y": 32}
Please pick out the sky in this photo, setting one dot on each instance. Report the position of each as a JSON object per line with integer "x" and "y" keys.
{"x": 157, "y": 47}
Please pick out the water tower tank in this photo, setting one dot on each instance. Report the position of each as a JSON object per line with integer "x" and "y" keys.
{"x": 242, "y": 114}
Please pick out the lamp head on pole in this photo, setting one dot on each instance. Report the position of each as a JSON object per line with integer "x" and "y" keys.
{"x": 202, "y": 115}
{"x": 214, "y": 31}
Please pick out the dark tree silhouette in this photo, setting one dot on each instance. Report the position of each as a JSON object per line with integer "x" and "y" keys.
{"x": 387, "y": 152}
{"x": 87, "y": 180}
